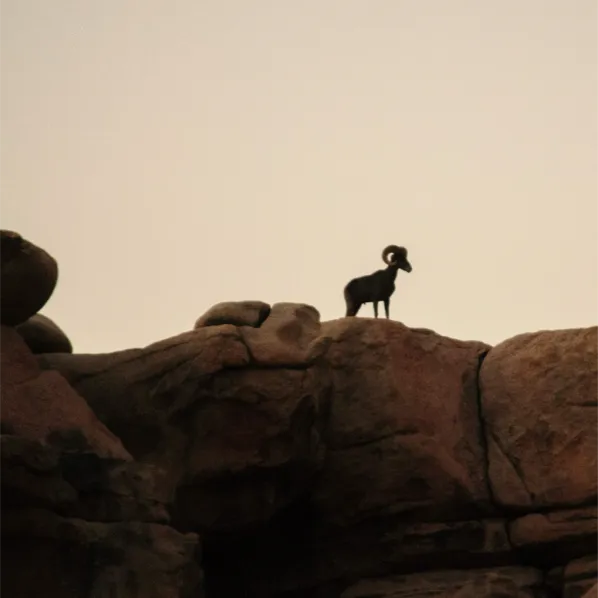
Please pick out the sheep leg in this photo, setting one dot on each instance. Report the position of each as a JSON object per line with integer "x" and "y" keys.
{"x": 387, "y": 308}
{"x": 375, "y": 309}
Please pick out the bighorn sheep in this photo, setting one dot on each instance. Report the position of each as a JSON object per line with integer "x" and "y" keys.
{"x": 378, "y": 286}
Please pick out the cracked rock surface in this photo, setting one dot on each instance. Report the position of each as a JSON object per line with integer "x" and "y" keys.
{"x": 267, "y": 454}
{"x": 539, "y": 402}
{"x": 404, "y": 429}
{"x": 358, "y": 450}
{"x": 239, "y": 437}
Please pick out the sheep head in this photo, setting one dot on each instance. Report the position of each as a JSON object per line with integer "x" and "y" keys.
{"x": 393, "y": 255}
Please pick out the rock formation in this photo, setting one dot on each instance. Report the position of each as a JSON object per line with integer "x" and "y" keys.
{"x": 42, "y": 335}
{"x": 266, "y": 454}
{"x": 28, "y": 277}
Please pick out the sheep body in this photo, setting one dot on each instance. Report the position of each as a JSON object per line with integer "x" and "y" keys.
{"x": 378, "y": 286}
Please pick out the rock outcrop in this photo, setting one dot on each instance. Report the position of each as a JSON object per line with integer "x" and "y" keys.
{"x": 28, "y": 278}
{"x": 42, "y": 335}
{"x": 548, "y": 378}
{"x": 404, "y": 431}
{"x": 237, "y": 313}
{"x": 267, "y": 454}
{"x": 237, "y": 439}
{"x": 80, "y": 517}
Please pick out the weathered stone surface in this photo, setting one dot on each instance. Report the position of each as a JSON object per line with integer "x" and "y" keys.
{"x": 44, "y": 554}
{"x": 514, "y": 582}
{"x": 591, "y": 593}
{"x": 31, "y": 475}
{"x": 575, "y": 579}
{"x": 404, "y": 430}
{"x": 555, "y": 526}
{"x": 42, "y": 335}
{"x": 146, "y": 396}
{"x": 42, "y": 406}
{"x": 86, "y": 486}
{"x": 28, "y": 278}
{"x": 317, "y": 459}
{"x": 288, "y": 337}
{"x": 236, "y": 443}
{"x": 579, "y": 577}
{"x": 237, "y": 313}
{"x": 115, "y": 491}
{"x": 539, "y": 399}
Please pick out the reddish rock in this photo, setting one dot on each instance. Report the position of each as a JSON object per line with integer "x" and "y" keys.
{"x": 514, "y": 582}
{"x": 42, "y": 406}
{"x": 555, "y": 526}
{"x": 28, "y": 278}
{"x": 110, "y": 491}
{"x": 237, "y": 313}
{"x": 326, "y": 558}
{"x": 241, "y": 444}
{"x": 579, "y": 577}
{"x": 539, "y": 400}
{"x": 318, "y": 459}
{"x": 238, "y": 443}
{"x": 151, "y": 415}
{"x": 42, "y": 335}
{"x": 31, "y": 475}
{"x": 404, "y": 429}
{"x": 44, "y": 554}
{"x": 289, "y": 337}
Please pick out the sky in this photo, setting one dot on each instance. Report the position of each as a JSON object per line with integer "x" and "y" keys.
{"x": 172, "y": 155}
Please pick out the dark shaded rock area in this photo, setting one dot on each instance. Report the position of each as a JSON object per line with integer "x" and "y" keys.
{"x": 27, "y": 279}
{"x": 267, "y": 454}
{"x": 42, "y": 335}
{"x": 239, "y": 313}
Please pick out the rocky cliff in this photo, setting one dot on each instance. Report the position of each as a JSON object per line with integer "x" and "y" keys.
{"x": 267, "y": 454}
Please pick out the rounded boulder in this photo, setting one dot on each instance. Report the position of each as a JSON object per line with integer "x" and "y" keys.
{"x": 237, "y": 313}
{"x": 28, "y": 278}
{"x": 42, "y": 335}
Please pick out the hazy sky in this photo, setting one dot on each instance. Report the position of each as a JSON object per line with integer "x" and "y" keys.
{"x": 174, "y": 154}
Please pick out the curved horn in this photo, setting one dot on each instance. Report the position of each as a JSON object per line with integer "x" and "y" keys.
{"x": 393, "y": 250}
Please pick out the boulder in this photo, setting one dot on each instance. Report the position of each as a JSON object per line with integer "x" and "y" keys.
{"x": 31, "y": 475}
{"x": 346, "y": 458}
{"x": 76, "y": 509}
{"x": 238, "y": 442}
{"x": 575, "y": 579}
{"x": 35, "y": 474}
{"x": 45, "y": 554}
{"x": 404, "y": 432}
{"x": 539, "y": 400}
{"x": 553, "y": 527}
{"x": 40, "y": 405}
{"x": 28, "y": 277}
{"x": 42, "y": 335}
{"x": 242, "y": 419}
{"x": 288, "y": 337}
{"x": 237, "y": 313}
